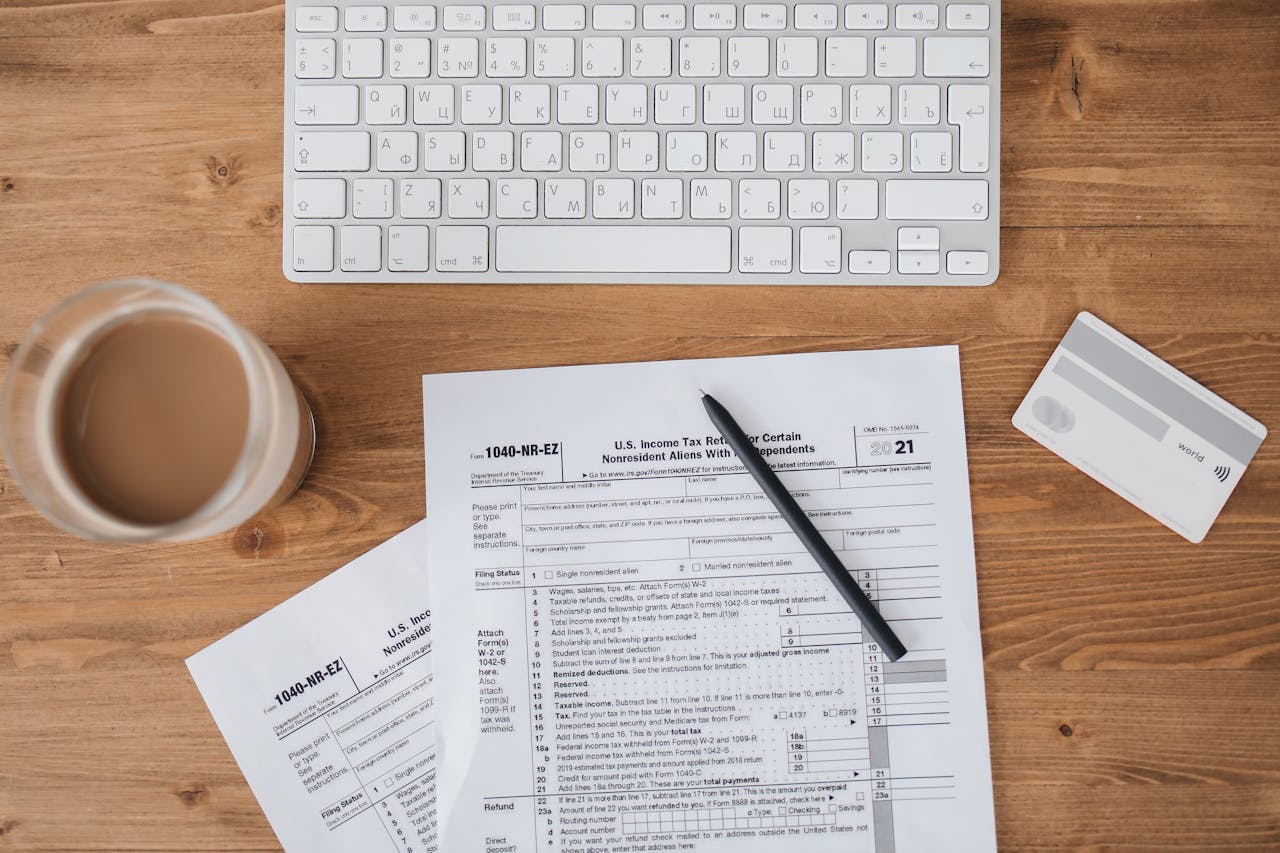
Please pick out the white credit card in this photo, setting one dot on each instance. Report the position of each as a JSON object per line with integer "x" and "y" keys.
{"x": 1148, "y": 432}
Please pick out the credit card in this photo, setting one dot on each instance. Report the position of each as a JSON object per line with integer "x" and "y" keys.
{"x": 1145, "y": 430}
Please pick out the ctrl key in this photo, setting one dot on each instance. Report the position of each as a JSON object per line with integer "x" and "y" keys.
{"x": 313, "y": 248}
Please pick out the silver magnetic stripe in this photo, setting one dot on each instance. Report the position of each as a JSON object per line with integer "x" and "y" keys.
{"x": 1143, "y": 419}
{"x": 1160, "y": 391}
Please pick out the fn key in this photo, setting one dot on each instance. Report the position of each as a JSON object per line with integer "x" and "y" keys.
{"x": 313, "y": 248}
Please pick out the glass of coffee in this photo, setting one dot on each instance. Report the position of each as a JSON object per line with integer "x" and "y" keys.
{"x": 138, "y": 411}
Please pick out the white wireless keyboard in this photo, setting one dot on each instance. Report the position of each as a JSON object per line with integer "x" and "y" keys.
{"x": 733, "y": 143}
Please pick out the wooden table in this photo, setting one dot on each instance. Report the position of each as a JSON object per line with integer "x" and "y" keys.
{"x": 1133, "y": 679}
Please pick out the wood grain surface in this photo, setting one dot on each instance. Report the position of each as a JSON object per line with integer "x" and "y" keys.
{"x": 1133, "y": 679}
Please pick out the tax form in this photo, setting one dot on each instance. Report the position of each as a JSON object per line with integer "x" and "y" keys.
{"x": 327, "y": 704}
{"x": 635, "y": 652}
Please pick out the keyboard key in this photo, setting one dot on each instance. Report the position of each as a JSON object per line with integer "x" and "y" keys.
{"x": 320, "y": 198}
{"x": 969, "y": 107}
{"x": 346, "y": 151}
{"x": 493, "y": 151}
{"x": 809, "y": 199}
{"x": 612, "y": 248}
{"x": 797, "y": 57}
{"x": 968, "y": 56}
{"x": 764, "y": 16}
{"x": 553, "y": 57}
{"x": 361, "y": 248}
{"x": 602, "y": 57}
{"x": 414, "y": 19}
{"x": 433, "y": 104}
{"x": 462, "y": 248}
{"x": 513, "y": 18}
{"x": 759, "y": 198}
{"x": 662, "y": 198}
{"x": 715, "y": 16}
{"x": 764, "y": 249}
{"x": 968, "y": 17}
{"x": 821, "y": 104}
{"x": 614, "y": 17}
{"x": 857, "y": 199}
{"x": 650, "y": 56}
{"x": 463, "y": 18}
{"x": 362, "y": 58}
{"x": 326, "y": 105}
{"x": 589, "y": 151}
{"x": 313, "y": 59}
{"x": 384, "y": 105}
{"x": 918, "y": 263}
{"x": 626, "y": 104}
{"x": 444, "y": 151}
{"x": 397, "y": 151}
{"x": 784, "y": 151}
{"x": 686, "y": 151}
{"x": 505, "y": 57}
{"x": 700, "y": 57}
{"x": 772, "y": 103}
{"x": 468, "y": 198}
{"x": 816, "y": 16}
{"x": 578, "y": 103}
{"x": 666, "y": 16}
{"x": 931, "y": 152}
{"x": 613, "y": 198}
{"x": 918, "y": 239}
{"x": 723, "y": 103}
{"x": 935, "y": 199}
{"x": 480, "y": 104}
{"x": 869, "y": 262}
{"x": 866, "y": 16}
{"x": 919, "y": 104}
{"x": 749, "y": 57}
{"x": 371, "y": 198}
{"x": 895, "y": 56}
{"x": 917, "y": 16}
{"x": 712, "y": 199}
{"x": 313, "y": 248}
{"x": 457, "y": 57}
{"x": 517, "y": 198}
{"x": 410, "y": 57}
{"x": 833, "y": 151}
{"x": 967, "y": 263}
{"x": 676, "y": 103}
{"x": 366, "y": 19}
{"x": 566, "y": 198}
{"x": 882, "y": 152}
{"x": 316, "y": 19}
{"x": 407, "y": 248}
{"x": 869, "y": 104}
{"x": 530, "y": 104}
{"x": 420, "y": 198}
{"x": 564, "y": 17}
{"x": 847, "y": 56}
{"x": 820, "y": 250}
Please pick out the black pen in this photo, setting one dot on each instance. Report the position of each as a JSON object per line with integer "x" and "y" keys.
{"x": 872, "y": 622}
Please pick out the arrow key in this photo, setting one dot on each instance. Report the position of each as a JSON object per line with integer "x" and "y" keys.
{"x": 967, "y": 263}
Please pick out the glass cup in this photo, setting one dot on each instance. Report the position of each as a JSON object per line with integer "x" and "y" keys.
{"x": 279, "y": 439}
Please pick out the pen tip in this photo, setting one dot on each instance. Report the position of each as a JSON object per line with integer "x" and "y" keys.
{"x": 703, "y": 393}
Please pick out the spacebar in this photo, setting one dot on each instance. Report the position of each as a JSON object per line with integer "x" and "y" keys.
{"x": 613, "y": 248}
